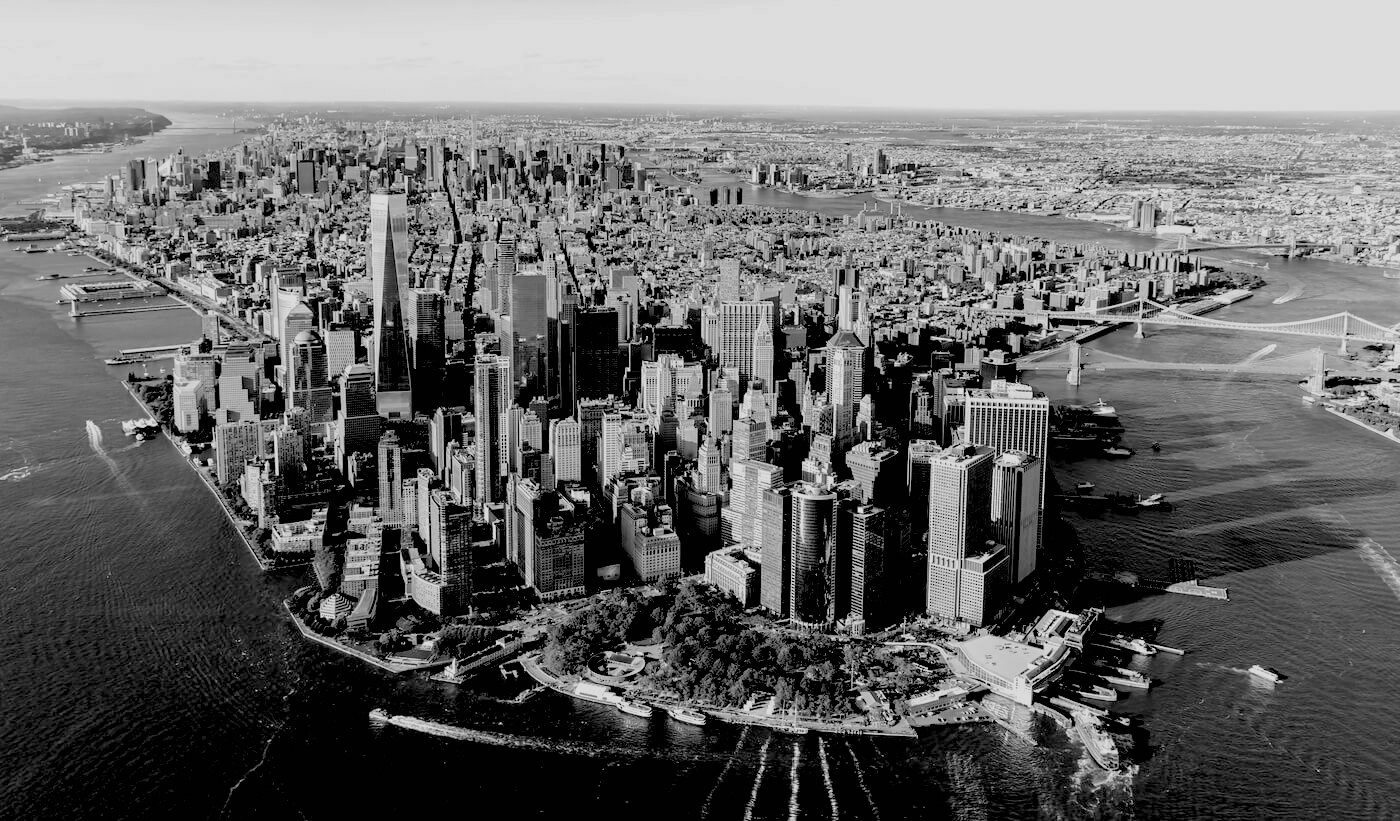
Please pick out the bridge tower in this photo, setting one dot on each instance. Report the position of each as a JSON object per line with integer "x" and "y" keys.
{"x": 1345, "y": 317}
{"x": 1317, "y": 383}
{"x": 1076, "y": 357}
{"x": 1292, "y": 245}
{"x": 1138, "y": 334}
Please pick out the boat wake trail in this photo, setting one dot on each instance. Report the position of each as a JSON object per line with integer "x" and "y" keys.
{"x": 1383, "y": 563}
{"x": 757, "y": 779}
{"x": 267, "y": 748}
{"x": 17, "y": 474}
{"x": 860, "y": 779}
{"x": 1292, "y": 294}
{"x": 826, "y": 777}
{"x": 743, "y": 736}
{"x": 1223, "y": 668}
{"x": 94, "y": 434}
{"x": 792, "y": 776}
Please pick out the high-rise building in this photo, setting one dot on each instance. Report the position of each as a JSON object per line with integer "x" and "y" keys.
{"x": 566, "y": 446}
{"x": 528, "y": 321}
{"x": 308, "y": 387}
{"x": 866, "y": 582}
{"x": 624, "y": 446}
{"x": 235, "y": 444}
{"x": 548, "y": 531}
{"x": 738, "y": 325}
{"x": 878, "y": 473}
{"x": 492, "y": 395}
{"x": 445, "y": 428}
{"x": 847, "y": 360}
{"x": 775, "y": 512}
{"x": 240, "y": 382}
{"x": 193, "y": 366}
{"x": 424, "y": 310}
{"x": 359, "y": 423}
{"x": 1008, "y": 416}
{"x": 959, "y": 552}
{"x": 390, "y": 278}
{"x": 188, "y": 405}
{"x": 390, "y": 467}
{"x": 729, "y": 281}
{"x": 708, "y": 467}
{"x": 449, "y": 546}
{"x": 812, "y": 540}
{"x": 647, "y": 537}
{"x": 1016, "y": 509}
{"x": 597, "y": 367}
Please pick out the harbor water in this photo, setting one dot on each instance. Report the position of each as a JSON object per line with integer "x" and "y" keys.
{"x": 148, "y": 669}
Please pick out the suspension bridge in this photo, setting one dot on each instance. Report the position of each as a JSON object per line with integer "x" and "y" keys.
{"x": 1314, "y": 364}
{"x": 1344, "y": 327}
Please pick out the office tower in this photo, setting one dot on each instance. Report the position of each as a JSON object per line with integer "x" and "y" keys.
{"x": 847, "y": 360}
{"x": 548, "y": 530}
{"x": 775, "y": 513}
{"x": 920, "y": 455}
{"x": 624, "y": 446}
{"x": 492, "y": 395}
{"x": 964, "y": 575}
{"x": 307, "y": 387}
{"x": 878, "y": 473}
{"x": 590, "y": 420}
{"x": 235, "y": 444}
{"x": 423, "y": 484}
{"x": 240, "y": 382}
{"x": 729, "y": 282}
{"x": 390, "y": 467}
{"x": 306, "y": 177}
{"x": 1016, "y": 509}
{"x": 530, "y": 432}
{"x": 506, "y": 265}
{"x": 750, "y": 438}
{"x": 645, "y": 531}
{"x": 763, "y": 352}
{"x": 193, "y": 366}
{"x": 340, "y": 349}
{"x": 527, "y": 313}
{"x": 565, "y": 445}
{"x": 445, "y": 428}
{"x": 1009, "y": 416}
{"x": 597, "y": 367}
{"x": 359, "y": 424}
{"x": 423, "y": 323}
{"x": 390, "y": 278}
{"x": 812, "y": 540}
{"x": 738, "y": 325}
{"x": 708, "y": 469}
{"x": 721, "y": 418}
{"x": 298, "y": 318}
{"x": 868, "y": 529}
{"x": 739, "y": 522}
{"x": 189, "y": 407}
{"x": 449, "y": 545}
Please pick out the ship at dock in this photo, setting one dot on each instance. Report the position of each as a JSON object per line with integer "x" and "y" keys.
{"x": 147, "y": 428}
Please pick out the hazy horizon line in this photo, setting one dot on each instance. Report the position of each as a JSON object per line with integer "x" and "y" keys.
{"x": 76, "y": 102}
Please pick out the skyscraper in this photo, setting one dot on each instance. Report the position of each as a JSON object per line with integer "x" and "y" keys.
{"x": 1016, "y": 509}
{"x": 738, "y": 325}
{"x": 389, "y": 275}
{"x": 847, "y": 360}
{"x": 492, "y": 389}
{"x": 597, "y": 368}
{"x": 708, "y": 470}
{"x": 390, "y": 464}
{"x": 964, "y": 571}
{"x": 812, "y": 529}
{"x": 565, "y": 445}
{"x": 359, "y": 422}
{"x": 449, "y": 545}
{"x": 308, "y": 387}
{"x": 775, "y": 512}
{"x": 240, "y": 383}
{"x": 423, "y": 321}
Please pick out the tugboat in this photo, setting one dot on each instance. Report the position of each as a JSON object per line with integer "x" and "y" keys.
{"x": 1268, "y": 674}
{"x": 1118, "y": 451}
{"x": 1157, "y": 447}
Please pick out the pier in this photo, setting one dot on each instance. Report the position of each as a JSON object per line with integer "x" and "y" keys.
{"x": 78, "y": 314}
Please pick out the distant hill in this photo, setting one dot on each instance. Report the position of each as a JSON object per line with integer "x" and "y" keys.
{"x": 13, "y": 115}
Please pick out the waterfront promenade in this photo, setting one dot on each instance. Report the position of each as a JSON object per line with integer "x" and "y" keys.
{"x": 729, "y": 715}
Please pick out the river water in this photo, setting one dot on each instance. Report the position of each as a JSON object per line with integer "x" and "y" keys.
{"x": 148, "y": 671}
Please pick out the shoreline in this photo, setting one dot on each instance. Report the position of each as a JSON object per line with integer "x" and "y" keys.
{"x": 208, "y": 483}
{"x": 1360, "y": 423}
{"x": 530, "y": 663}
{"x": 386, "y": 666}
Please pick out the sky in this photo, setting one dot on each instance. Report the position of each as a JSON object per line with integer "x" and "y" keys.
{"x": 914, "y": 54}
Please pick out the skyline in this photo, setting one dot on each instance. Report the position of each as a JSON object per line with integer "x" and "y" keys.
{"x": 624, "y": 52}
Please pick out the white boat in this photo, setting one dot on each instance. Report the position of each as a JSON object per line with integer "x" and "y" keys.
{"x": 791, "y": 729}
{"x": 1152, "y": 501}
{"x": 1102, "y": 408}
{"x": 686, "y": 716}
{"x": 1084, "y": 487}
{"x": 635, "y": 708}
{"x": 1268, "y": 674}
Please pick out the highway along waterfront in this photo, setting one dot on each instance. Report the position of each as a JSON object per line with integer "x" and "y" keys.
{"x": 149, "y": 666}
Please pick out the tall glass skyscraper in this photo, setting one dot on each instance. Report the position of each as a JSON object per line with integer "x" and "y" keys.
{"x": 388, "y": 269}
